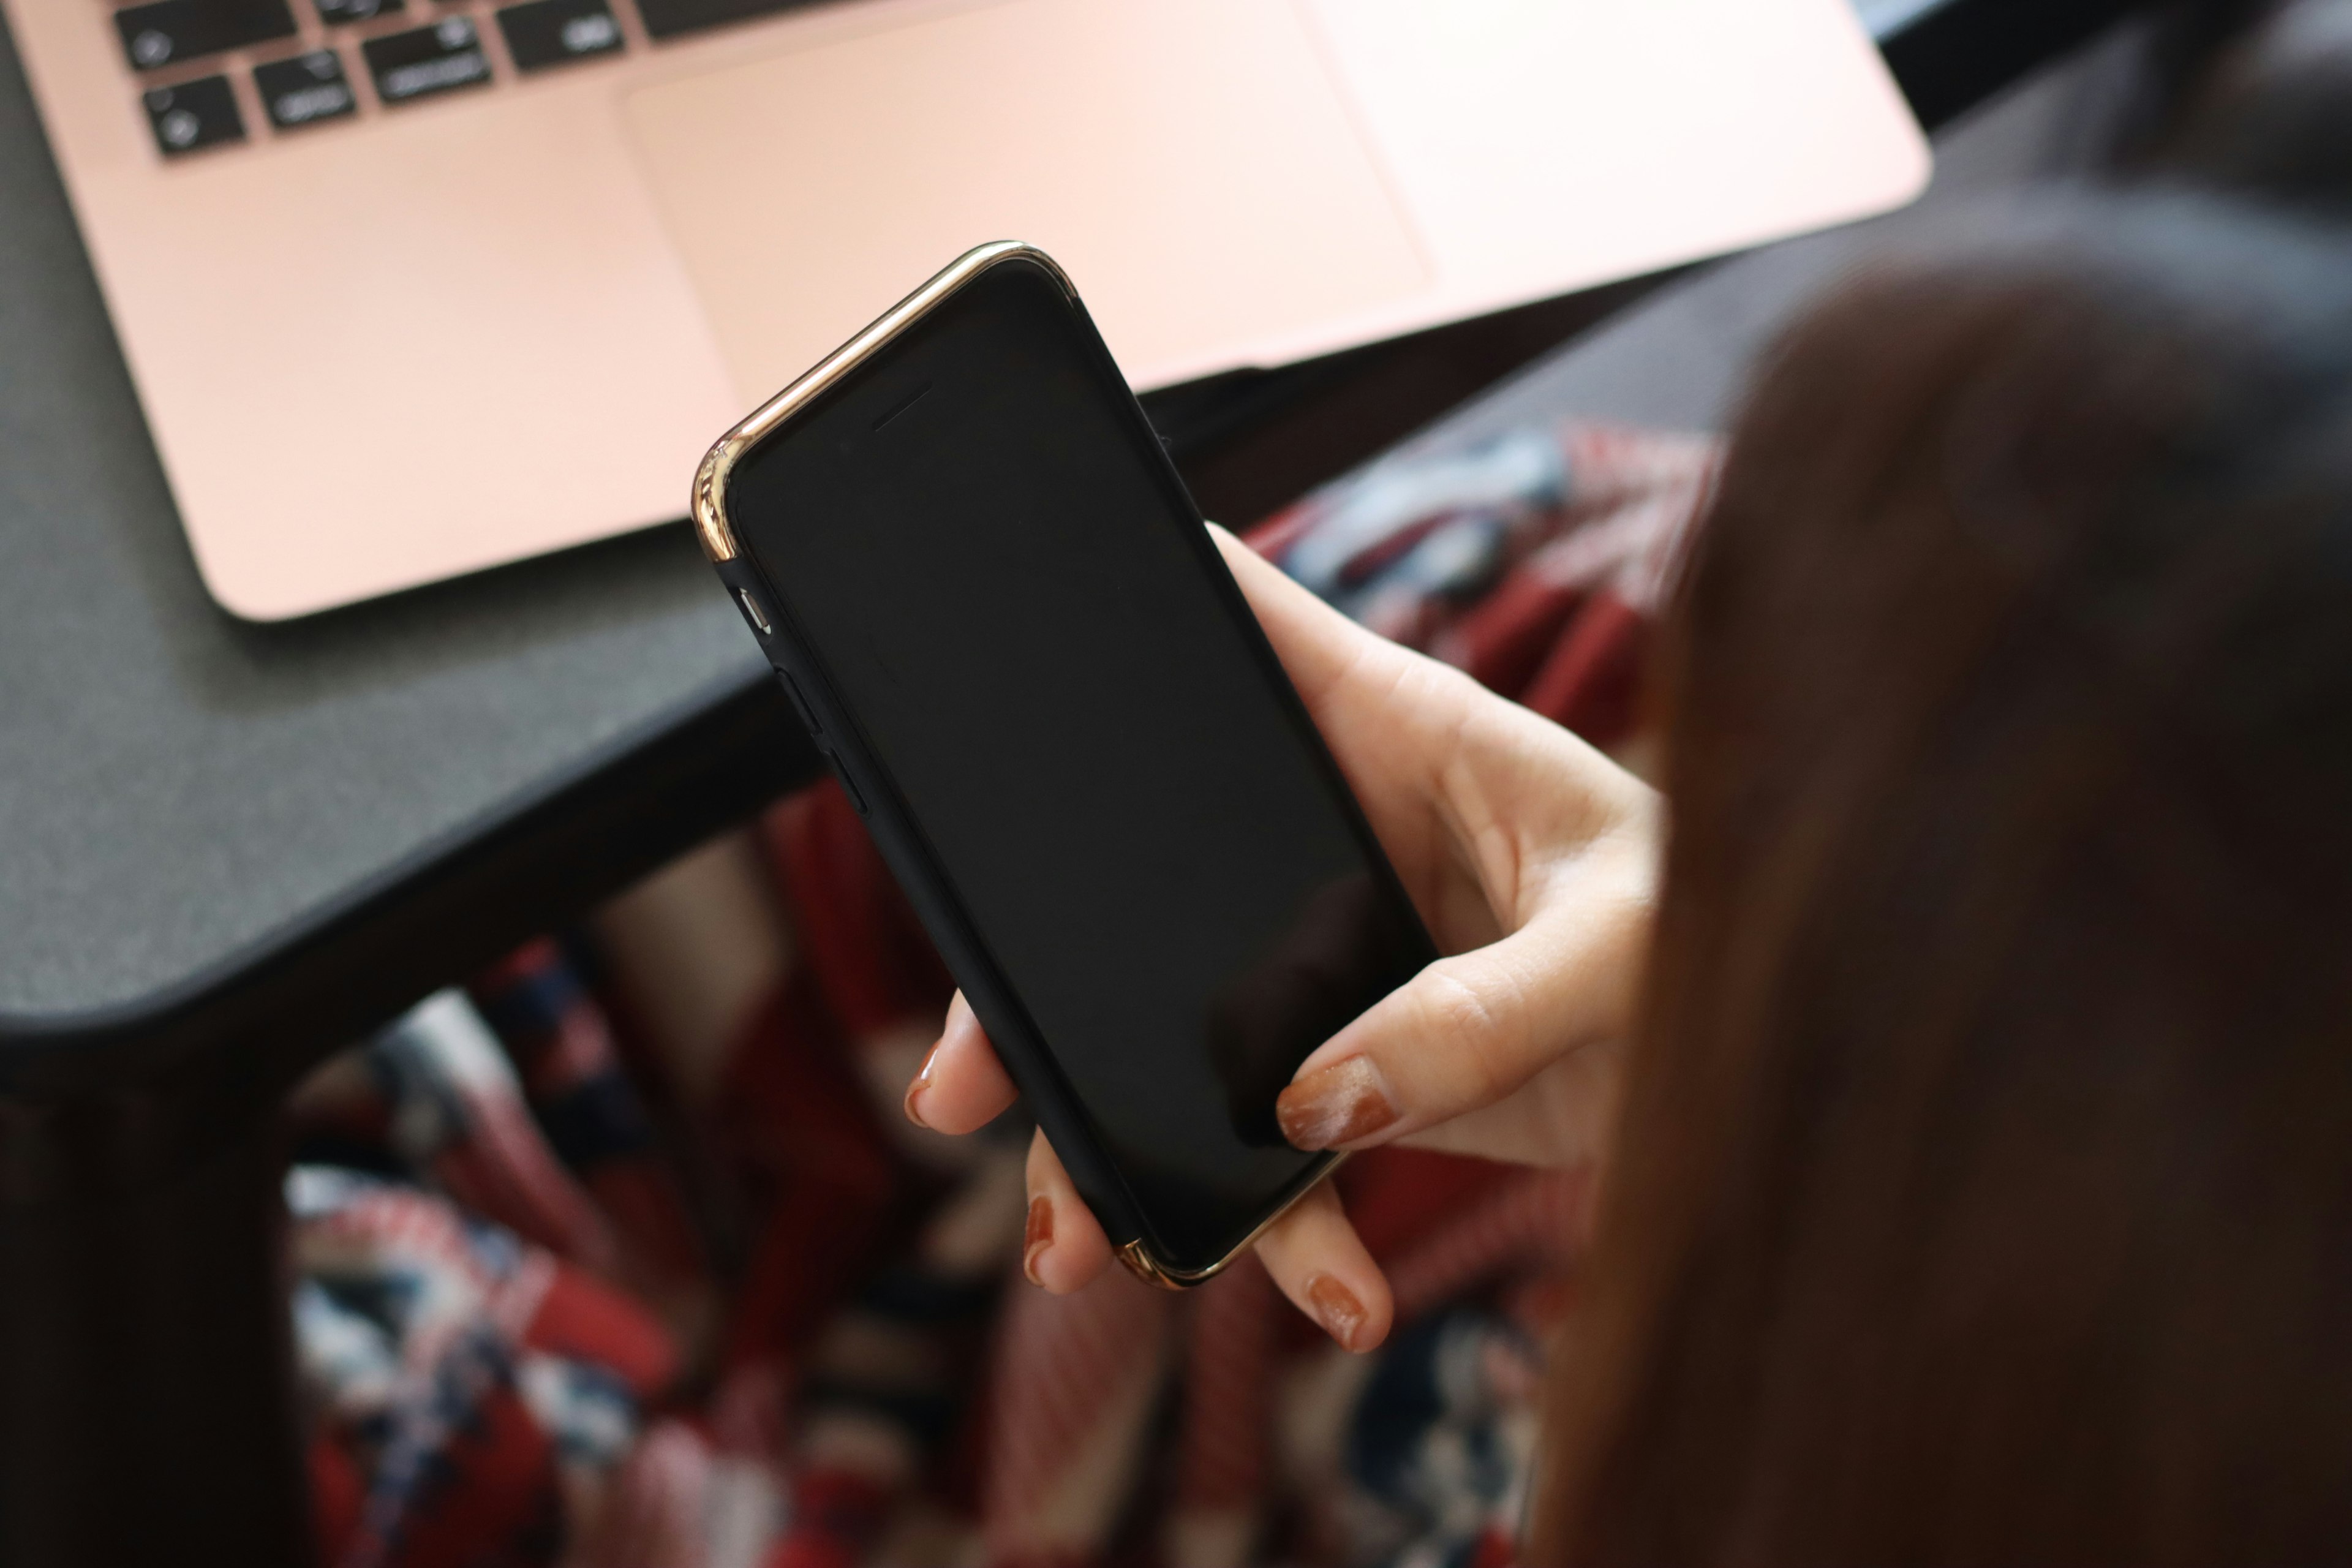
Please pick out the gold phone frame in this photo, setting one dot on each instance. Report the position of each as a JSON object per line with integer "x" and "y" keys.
{"x": 1152, "y": 1269}
{"x": 708, "y": 507}
{"x": 717, "y": 534}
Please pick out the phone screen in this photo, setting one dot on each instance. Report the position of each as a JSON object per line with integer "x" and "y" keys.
{"x": 1014, "y": 604}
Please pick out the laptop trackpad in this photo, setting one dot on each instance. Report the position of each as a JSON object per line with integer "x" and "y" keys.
{"x": 1190, "y": 162}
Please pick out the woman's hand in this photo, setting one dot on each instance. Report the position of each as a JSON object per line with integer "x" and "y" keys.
{"x": 1534, "y": 861}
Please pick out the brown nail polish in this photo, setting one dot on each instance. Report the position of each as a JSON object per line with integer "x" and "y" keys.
{"x": 922, "y": 1081}
{"x": 1337, "y": 1308}
{"x": 1334, "y": 1105}
{"x": 1036, "y": 1235}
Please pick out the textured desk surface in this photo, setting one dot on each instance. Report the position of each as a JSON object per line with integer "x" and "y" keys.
{"x": 187, "y": 801}
{"x": 179, "y": 789}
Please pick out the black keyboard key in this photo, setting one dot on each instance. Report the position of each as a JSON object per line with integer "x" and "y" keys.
{"x": 550, "y": 32}
{"x": 334, "y": 12}
{"x": 305, "y": 90}
{"x": 169, "y": 31}
{"x": 666, "y": 18}
{"x": 427, "y": 60}
{"x": 193, "y": 114}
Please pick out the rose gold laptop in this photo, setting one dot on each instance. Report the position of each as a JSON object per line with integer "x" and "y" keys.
{"x": 410, "y": 288}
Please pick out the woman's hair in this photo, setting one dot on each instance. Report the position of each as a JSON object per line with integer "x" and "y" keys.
{"x": 1985, "y": 1190}
{"x": 2260, "y": 103}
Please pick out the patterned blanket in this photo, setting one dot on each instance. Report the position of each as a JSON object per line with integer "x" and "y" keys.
{"x": 623, "y": 1255}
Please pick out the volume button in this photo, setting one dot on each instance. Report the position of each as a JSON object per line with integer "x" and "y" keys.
{"x": 808, "y": 713}
{"x": 841, "y": 771}
{"x": 849, "y": 786}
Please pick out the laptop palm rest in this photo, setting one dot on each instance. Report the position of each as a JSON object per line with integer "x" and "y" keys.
{"x": 1202, "y": 178}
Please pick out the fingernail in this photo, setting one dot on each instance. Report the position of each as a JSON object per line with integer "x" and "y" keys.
{"x": 1334, "y": 1105}
{"x": 1337, "y": 1308}
{"x": 1036, "y": 1235}
{"x": 922, "y": 1081}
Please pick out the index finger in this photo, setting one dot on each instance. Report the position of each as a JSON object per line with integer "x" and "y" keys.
{"x": 1346, "y": 674}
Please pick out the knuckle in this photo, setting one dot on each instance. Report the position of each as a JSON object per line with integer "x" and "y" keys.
{"x": 1477, "y": 1025}
{"x": 1457, "y": 1013}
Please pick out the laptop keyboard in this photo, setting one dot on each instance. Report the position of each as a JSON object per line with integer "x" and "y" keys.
{"x": 221, "y": 72}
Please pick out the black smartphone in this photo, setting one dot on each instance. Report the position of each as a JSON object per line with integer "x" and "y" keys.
{"x": 1004, "y": 622}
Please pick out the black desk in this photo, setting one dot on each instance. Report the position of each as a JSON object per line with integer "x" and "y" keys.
{"x": 227, "y": 849}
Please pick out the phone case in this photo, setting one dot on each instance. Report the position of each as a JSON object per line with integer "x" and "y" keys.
{"x": 1032, "y": 1067}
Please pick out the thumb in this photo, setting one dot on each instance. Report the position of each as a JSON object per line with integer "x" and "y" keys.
{"x": 1469, "y": 1030}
